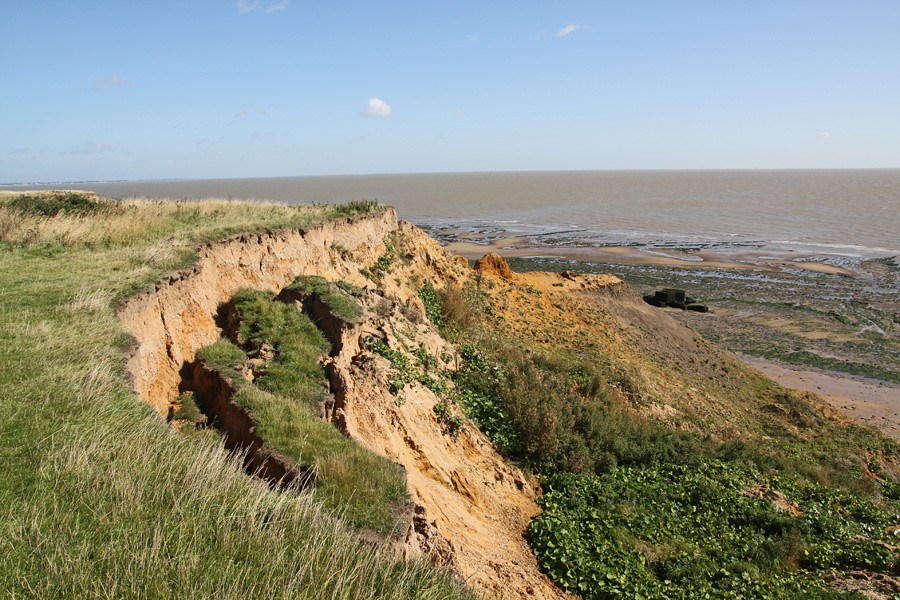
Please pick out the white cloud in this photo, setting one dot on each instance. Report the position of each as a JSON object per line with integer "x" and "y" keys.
{"x": 277, "y": 6}
{"x": 90, "y": 148}
{"x": 377, "y": 108}
{"x": 246, "y": 6}
{"x": 570, "y": 28}
{"x": 825, "y": 136}
{"x": 112, "y": 81}
{"x": 459, "y": 114}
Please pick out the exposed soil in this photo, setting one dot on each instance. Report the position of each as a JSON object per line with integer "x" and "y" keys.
{"x": 177, "y": 318}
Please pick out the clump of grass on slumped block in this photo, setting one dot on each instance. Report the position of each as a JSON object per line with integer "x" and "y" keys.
{"x": 295, "y": 371}
{"x": 338, "y": 296}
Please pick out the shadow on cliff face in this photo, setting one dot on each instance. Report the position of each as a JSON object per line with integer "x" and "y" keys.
{"x": 213, "y": 394}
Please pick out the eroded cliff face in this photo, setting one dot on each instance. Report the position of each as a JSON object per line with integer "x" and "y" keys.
{"x": 471, "y": 507}
{"x": 177, "y": 318}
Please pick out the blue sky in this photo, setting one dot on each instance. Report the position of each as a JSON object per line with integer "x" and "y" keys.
{"x": 191, "y": 89}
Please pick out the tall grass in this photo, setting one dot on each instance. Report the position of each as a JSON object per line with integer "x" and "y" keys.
{"x": 180, "y": 519}
{"x": 135, "y": 222}
{"x": 98, "y": 497}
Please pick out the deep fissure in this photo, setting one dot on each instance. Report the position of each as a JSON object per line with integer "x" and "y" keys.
{"x": 214, "y": 394}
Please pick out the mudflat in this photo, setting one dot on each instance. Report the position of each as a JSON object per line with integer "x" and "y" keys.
{"x": 520, "y": 247}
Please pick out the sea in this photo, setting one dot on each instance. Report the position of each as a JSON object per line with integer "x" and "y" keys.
{"x": 853, "y": 214}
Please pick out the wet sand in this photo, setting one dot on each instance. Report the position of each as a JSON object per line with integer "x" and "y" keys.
{"x": 871, "y": 402}
{"x": 521, "y": 247}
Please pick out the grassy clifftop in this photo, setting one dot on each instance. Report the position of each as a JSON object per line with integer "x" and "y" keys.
{"x": 98, "y": 496}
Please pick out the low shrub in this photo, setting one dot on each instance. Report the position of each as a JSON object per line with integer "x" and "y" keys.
{"x": 452, "y": 309}
{"x": 679, "y": 531}
{"x": 555, "y": 412}
{"x": 53, "y": 203}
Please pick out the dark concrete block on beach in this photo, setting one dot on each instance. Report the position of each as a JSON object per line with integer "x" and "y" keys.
{"x": 674, "y": 298}
{"x": 670, "y": 296}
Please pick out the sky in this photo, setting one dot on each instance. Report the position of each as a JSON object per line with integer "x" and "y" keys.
{"x": 97, "y": 90}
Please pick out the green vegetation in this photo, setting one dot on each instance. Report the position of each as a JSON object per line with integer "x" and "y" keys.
{"x": 366, "y": 489}
{"x": 339, "y": 296}
{"x": 452, "y": 424}
{"x": 634, "y": 508}
{"x": 298, "y": 345}
{"x": 188, "y": 410}
{"x": 554, "y": 412}
{"x": 98, "y": 496}
{"x": 382, "y": 265}
{"x": 454, "y": 311}
{"x": 715, "y": 529}
{"x": 434, "y": 305}
{"x": 405, "y": 371}
{"x": 811, "y": 359}
{"x": 52, "y": 203}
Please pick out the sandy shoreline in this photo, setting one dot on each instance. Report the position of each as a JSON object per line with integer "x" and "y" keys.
{"x": 521, "y": 247}
{"x": 874, "y": 403}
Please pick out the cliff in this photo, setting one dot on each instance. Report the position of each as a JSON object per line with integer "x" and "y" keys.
{"x": 471, "y": 507}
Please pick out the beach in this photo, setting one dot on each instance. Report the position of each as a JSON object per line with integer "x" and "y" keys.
{"x": 521, "y": 247}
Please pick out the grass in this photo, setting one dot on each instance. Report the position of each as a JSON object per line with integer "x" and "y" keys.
{"x": 295, "y": 371}
{"x": 98, "y": 496}
{"x": 338, "y": 295}
{"x": 811, "y": 359}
